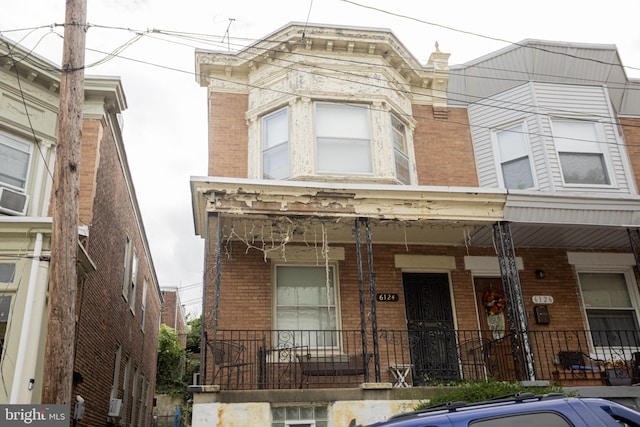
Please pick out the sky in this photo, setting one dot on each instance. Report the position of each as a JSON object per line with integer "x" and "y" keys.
{"x": 152, "y": 43}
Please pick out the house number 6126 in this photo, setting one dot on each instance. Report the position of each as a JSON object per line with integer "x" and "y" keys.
{"x": 542, "y": 299}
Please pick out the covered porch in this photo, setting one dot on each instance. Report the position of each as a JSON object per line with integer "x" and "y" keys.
{"x": 455, "y": 244}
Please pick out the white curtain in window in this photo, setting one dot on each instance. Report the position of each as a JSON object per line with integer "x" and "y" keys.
{"x": 343, "y": 136}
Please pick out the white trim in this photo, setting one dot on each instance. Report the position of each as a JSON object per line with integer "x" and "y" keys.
{"x": 600, "y": 260}
{"x": 486, "y": 265}
{"x": 425, "y": 262}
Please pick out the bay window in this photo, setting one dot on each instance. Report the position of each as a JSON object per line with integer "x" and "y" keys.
{"x": 515, "y": 163}
{"x": 343, "y": 138}
{"x": 275, "y": 151}
{"x": 581, "y": 152}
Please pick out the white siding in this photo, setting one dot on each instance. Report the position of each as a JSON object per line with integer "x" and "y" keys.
{"x": 535, "y": 104}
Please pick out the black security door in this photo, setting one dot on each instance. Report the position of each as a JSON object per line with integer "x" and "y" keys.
{"x": 430, "y": 326}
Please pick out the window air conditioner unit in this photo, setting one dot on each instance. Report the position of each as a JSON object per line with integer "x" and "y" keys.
{"x": 13, "y": 202}
{"x": 114, "y": 407}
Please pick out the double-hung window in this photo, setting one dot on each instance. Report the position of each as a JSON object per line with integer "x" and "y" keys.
{"x": 306, "y": 306}
{"x": 275, "y": 151}
{"x": 401, "y": 153}
{"x": 15, "y": 158}
{"x": 610, "y": 312}
{"x": 515, "y": 163}
{"x": 581, "y": 152}
{"x": 343, "y": 138}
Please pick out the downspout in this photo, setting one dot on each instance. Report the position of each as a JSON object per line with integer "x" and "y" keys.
{"x": 33, "y": 312}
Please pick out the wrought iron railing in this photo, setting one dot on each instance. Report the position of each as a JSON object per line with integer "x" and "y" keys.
{"x": 277, "y": 359}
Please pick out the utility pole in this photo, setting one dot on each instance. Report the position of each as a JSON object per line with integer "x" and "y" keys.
{"x": 60, "y": 345}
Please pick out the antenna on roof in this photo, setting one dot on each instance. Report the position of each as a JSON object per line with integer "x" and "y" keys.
{"x": 226, "y": 34}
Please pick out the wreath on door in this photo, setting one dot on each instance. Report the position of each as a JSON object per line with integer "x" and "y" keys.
{"x": 494, "y": 304}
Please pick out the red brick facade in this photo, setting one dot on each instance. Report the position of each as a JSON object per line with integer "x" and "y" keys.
{"x": 228, "y": 135}
{"x": 444, "y": 141}
{"x": 106, "y": 320}
{"x": 172, "y": 314}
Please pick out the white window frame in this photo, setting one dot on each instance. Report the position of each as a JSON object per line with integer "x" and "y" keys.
{"x": 269, "y": 147}
{"x": 400, "y": 153}
{"x": 631, "y": 287}
{"x": 24, "y": 147}
{"x": 134, "y": 281}
{"x": 502, "y": 159}
{"x": 565, "y": 144}
{"x": 323, "y": 136}
{"x": 115, "y": 385}
{"x": 126, "y": 271}
{"x": 300, "y": 340}
{"x": 4, "y": 319}
{"x": 143, "y": 303}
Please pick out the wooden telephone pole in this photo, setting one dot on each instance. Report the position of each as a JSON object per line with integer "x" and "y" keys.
{"x": 59, "y": 350}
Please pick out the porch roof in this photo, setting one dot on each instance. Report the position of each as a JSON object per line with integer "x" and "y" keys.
{"x": 422, "y": 214}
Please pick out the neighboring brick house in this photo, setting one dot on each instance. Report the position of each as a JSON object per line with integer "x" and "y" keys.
{"x": 173, "y": 313}
{"x": 370, "y": 219}
{"x": 118, "y": 299}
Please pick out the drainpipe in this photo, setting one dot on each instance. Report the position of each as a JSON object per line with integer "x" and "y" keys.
{"x": 26, "y": 359}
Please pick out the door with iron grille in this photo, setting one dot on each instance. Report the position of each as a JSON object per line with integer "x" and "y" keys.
{"x": 430, "y": 326}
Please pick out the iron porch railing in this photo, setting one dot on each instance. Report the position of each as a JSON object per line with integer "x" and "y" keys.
{"x": 289, "y": 359}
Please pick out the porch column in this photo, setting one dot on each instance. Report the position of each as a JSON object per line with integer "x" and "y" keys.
{"x": 216, "y": 301}
{"x": 634, "y": 240}
{"x": 372, "y": 295}
{"x": 363, "y": 318}
{"x": 520, "y": 343}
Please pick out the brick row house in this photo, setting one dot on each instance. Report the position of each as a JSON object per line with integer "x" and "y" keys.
{"x": 118, "y": 299}
{"x": 371, "y": 222}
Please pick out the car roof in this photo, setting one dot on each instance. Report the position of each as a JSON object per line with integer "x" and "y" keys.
{"x": 520, "y": 403}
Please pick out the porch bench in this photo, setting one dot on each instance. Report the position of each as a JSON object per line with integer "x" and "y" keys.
{"x": 331, "y": 365}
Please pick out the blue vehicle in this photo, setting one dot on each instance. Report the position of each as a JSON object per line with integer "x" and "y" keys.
{"x": 521, "y": 410}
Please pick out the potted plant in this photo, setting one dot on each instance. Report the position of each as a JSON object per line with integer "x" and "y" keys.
{"x": 617, "y": 372}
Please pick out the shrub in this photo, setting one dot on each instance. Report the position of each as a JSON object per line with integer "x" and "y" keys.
{"x": 478, "y": 391}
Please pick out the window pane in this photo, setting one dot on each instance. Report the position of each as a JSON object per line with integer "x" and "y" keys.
{"x": 275, "y": 156}
{"x": 613, "y": 328}
{"x": 14, "y": 162}
{"x": 276, "y": 129}
{"x": 576, "y": 135}
{"x": 517, "y": 174}
{"x": 402, "y": 168}
{"x": 341, "y": 156}
{"x": 512, "y": 143}
{"x": 604, "y": 290}
{"x": 342, "y": 121}
{"x": 399, "y": 135}
{"x": 304, "y": 286}
{"x": 276, "y": 162}
{"x": 584, "y": 168}
{"x": 343, "y": 138}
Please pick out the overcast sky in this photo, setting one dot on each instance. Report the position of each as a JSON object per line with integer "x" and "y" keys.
{"x": 165, "y": 123}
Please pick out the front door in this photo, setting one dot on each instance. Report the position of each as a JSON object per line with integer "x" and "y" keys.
{"x": 430, "y": 326}
{"x": 498, "y": 347}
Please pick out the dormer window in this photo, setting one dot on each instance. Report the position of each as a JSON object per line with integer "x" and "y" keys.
{"x": 343, "y": 139}
{"x": 581, "y": 152}
{"x": 275, "y": 151}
